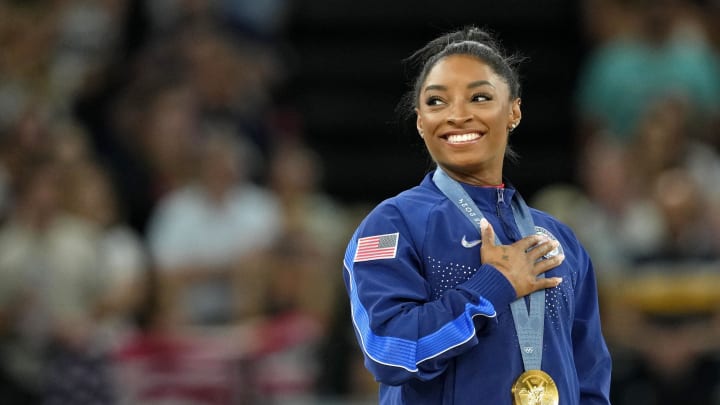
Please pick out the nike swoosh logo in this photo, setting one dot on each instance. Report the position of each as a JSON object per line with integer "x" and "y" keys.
{"x": 471, "y": 243}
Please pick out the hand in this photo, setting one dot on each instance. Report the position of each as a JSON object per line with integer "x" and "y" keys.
{"x": 520, "y": 262}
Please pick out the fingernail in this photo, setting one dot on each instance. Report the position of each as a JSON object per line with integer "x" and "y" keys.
{"x": 483, "y": 223}
{"x": 559, "y": 280}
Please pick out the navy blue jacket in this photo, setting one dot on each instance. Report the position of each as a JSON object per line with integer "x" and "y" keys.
{"x": 435, "y": 324}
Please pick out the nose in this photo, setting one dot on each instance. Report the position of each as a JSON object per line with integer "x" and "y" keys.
{"x": 458, "y": 114}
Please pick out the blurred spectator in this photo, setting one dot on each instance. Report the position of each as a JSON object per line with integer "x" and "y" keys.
{"x": 201, "y": 230}
{"x": 178, "y": 83}
{"x": 233, "y": 74}
{"x": 285, "y": 290}
{"x": 26, "y": 33}
{"x": 249, "y": 72}
{"x": 294, "y": 297}
{"x": 688, "y": 235}
{"x": 295, "y": 176}
{"x": 50, "y": 296}
{"x": 663, "y": 312}
{"x": 24, "y": 139}
{"x": 123, "y": 261}
{"x": 87, "y": 38}
{"x": 662, "y": 52}
{"x": 606, "y": 20}
{"x": 148, "y": 146}
{"x": 168, "y": 131}
{"x": 667, "y": 137}
{"x": 615, "y": 222}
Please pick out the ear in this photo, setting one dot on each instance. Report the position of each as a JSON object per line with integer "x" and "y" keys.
{"x": 419, "y": 124}
{"x": 515, "y": 113}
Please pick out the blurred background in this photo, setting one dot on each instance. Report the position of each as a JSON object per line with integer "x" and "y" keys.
{"x": 179, "y": 178}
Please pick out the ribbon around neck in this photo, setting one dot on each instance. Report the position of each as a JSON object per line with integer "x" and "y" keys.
{"x": 529, "y": 323}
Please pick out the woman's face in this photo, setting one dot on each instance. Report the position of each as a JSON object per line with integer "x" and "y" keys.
{"x": 464, "y": 114}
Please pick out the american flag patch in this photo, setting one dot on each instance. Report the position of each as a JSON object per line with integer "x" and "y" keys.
{"x": 377, "y": 247}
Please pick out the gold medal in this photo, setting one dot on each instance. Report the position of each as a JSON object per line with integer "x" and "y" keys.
{"x": 535, "y": 387}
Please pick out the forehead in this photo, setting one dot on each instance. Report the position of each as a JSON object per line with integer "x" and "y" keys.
{"x": 463, "y": 69}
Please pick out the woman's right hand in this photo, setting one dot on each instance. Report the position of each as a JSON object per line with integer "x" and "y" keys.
{"x": 521, "y": 262}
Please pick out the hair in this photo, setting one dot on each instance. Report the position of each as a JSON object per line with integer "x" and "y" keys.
{"x": 471, "y": 41}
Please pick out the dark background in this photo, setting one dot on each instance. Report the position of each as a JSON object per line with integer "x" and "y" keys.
{"x": 347, "y": 78}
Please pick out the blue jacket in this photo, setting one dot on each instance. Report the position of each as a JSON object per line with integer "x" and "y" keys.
{"x": 435, "y": 324}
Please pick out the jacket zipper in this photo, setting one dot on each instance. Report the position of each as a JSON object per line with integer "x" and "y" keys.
{"x": 509, "y": 231}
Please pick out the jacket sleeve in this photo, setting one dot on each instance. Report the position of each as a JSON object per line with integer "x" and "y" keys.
{"x": 402, "y": 333}
{"x": 592, "y": 359}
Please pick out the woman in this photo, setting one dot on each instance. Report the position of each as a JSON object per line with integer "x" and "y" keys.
{"x": 460, "y": 293}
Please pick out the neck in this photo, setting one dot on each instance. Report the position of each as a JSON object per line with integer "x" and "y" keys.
{"x": 481, "y": 179}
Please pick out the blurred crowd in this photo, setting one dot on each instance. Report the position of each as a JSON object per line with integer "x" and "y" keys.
{"x": 164, "y": 236}
{"x": 645, "y": 202}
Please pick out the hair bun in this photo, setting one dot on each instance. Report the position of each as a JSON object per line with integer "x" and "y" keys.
{"x": 476, "y": 34}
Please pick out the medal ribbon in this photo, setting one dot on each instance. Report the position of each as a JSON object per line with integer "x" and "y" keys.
{"x": 528, "y": 325}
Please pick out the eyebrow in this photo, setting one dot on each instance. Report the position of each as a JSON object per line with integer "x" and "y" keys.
{"x": 472, "y": 85}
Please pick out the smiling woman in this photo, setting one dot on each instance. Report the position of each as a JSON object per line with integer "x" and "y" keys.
{"x": 464, "y": 114}
{"x": 441, "y": 321}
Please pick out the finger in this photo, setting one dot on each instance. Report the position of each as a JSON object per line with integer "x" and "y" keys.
{"x": 551, "y": 282}
{"x": 528, "y": 242}
{"x": 545, "y": 265}
{"x": 487, "y": 233}
{"x": 542, "y": 249}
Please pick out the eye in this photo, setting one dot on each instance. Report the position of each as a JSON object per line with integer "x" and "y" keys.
{"x": 481, "y": 97}
{"x": 433, "y": 101}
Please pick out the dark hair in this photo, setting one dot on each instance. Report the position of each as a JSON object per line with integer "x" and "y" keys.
{"x": 471, "y": 41}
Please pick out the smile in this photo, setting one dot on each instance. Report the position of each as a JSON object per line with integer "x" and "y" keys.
{"x": 462, "y": 138}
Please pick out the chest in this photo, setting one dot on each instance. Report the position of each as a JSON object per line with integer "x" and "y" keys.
{"x": 453, "y": 258}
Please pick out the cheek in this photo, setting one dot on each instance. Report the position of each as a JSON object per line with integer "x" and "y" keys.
{"x": 428, "y": 122}
{"x": 428, "y": 141}
{"x": 432, "y": 146}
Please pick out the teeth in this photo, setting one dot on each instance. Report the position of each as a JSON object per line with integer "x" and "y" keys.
{"x": 463, "y": 137}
